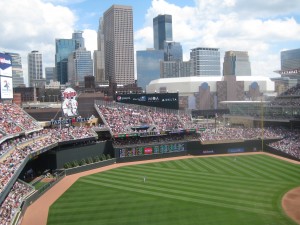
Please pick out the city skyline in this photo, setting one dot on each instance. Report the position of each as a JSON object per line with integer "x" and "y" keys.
{"x": 264, "y": 29}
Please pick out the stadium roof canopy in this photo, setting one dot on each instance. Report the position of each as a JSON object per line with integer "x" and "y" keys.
{"x": 191, "y": 84}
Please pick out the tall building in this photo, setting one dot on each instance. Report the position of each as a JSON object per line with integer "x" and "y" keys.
{"x": 148, "y": 66}
{"x": 35, "y": 69}
{"x": 172, "y": 51}
{"x": 79, "y": 40}
{"x": 290, "y": 64}
{"x": 205, "y": 61}
{"x": 290, "y": 59}
{"x": 177, "y": 68}
{"x": 162, "y": 30}
{"x": 80, "y": 65}
{"x": 63, "y": 48}
{"x": 118, "y": 41}
{"x": 99, "y": 57}
{"x": 49, "y": 72}
{"x": 236, "y": 63}
{"x": 17, "y": 71}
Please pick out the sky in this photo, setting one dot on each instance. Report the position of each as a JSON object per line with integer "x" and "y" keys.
{"x": 262, "y": 28}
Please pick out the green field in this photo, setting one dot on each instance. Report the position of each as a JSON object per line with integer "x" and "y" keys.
{"x": 228, "y": 190}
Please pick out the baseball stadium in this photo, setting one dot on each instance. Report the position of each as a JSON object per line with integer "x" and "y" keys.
{"x": 109, "y": 162}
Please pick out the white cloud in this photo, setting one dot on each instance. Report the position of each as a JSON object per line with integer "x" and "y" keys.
{"x": 90, "y": 37}
{"x": 259, "y": 27}
{"x": 33, "y": 25}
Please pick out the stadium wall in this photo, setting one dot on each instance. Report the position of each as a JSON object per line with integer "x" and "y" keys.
{"x": 150, "y": 151}
{"x": 196, "y": 148}
{"x": 87, "y": 167}
{"x": 279, "y": 153}
{"x": 149, "y": 157}
{"x": 69, "y": 154}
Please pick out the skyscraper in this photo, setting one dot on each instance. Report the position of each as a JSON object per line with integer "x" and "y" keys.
{"x": 148, "y": 66}
{"x": 290, "y": 59}
{"x": 63, "y": 48}
{"x": 35, "y": 69}
{"x": 162, "y": 30}
{"x": 290, "y": 66}
{"x": 17, "y": 71}
{"x": 177, "y": 68}
{"x": 118, "y": 41}
{"x": 80, "y": 64}
{"x": 99, "y": 62}
{"x": 205, "y": 61}
{"x": 172, "y": 51}
{"x": 236, "y": 63}
{"x": 79, "y": 40}
{"x": 49, "y": 72}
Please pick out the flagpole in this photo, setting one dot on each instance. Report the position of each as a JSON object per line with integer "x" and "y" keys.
{"x": 262, "y": 126}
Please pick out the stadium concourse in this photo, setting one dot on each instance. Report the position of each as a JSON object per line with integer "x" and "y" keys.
{"x": 22, "y": 138}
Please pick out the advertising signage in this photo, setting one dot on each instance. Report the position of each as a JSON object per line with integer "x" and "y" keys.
{"x": 5, "y": 65}
{"x": 162, "y": 100}
{"x": 70, "y": 104}
{"x": 6, "y": 88}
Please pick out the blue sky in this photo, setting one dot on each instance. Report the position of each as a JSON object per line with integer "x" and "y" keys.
{"x": 90, "y": 10}
{"x": 263, "y": 28}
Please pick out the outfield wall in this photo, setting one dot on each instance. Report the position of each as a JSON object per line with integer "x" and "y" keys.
{"x": 196, "y": 148}
{"x": 279, "y": 153}
{"x": 150, "y": 151}
{"x": 155, "y": 151}
{"x": 69, "y": 154}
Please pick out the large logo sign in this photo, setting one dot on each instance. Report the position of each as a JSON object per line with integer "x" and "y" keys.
{"x": 70, "y": 104}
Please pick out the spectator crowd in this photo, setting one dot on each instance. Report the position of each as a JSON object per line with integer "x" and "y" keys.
{"x": 13, "y": 202}
{"x": 21, "y": 136}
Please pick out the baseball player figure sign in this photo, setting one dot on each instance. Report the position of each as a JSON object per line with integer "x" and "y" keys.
{"x": 70, "y": 104}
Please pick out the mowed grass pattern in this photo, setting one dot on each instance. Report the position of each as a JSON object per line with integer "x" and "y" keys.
{"x": 223, "y": 190}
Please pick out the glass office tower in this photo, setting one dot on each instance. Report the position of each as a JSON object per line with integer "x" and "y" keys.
{"x": 162, "y": 30}
{"x": 80, "y": 64}
{"x": 148, "y": 66}
{"x": 63, "y": 48}
{"x": 172, "y": 51}
{"x": 290, "y": 59}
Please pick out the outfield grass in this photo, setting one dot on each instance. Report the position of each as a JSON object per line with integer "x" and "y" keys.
{"x": 228, "y": 190}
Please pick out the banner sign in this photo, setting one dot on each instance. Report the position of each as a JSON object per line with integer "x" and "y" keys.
{"x": 6, "y": 88}
{"x": 162, "y": 100}
{"x": 69, "y": 121}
